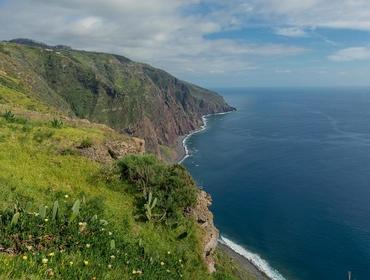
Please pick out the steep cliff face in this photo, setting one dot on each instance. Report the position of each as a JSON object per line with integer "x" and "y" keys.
{"x": 131, "y": 97}
{"x": 210, "y": 234}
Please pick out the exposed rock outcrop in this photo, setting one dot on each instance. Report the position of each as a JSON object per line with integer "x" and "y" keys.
{"x": 204, "y": 218}
{"x": 113, "y": 150}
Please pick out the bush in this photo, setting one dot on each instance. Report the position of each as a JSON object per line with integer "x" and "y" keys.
{"x": 172, "y": 186}
{"x": 9, "y": 116}
{"x": 42, "y": 135}
{"x": 86, "y": 143}
{"x": 55, "y": 123}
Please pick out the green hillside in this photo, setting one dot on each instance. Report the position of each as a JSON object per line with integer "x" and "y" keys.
{"x": 130, "y": 97}
{"x": 67, "y": 214}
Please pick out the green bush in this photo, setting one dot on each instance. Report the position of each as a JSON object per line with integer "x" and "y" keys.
{"x": 86, "y": 143}
{"x": 9, "y": 116}
{"x": 171, "y": 186}
{"x": 41, "y": 135}
{"x": 55, "y": 123}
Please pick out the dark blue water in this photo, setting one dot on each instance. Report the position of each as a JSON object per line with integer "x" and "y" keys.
{"x": 289, "y": 174}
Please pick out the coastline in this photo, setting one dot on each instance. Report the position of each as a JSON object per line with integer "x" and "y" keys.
{"x": 242, "y": 262}
{"x": 181, "y": 142}
{"x": 248, "y": 261}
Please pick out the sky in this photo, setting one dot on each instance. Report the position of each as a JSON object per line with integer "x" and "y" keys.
{"x": 213, "y": 43}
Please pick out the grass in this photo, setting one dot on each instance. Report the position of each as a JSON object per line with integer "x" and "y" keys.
{"x": 34, "y": 174}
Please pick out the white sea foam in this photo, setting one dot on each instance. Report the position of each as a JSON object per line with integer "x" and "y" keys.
{"x": 255, "y": 259}
{"x": 202, "y": 128}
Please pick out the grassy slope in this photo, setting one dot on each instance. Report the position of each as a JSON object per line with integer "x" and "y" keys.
{"x": 33, "y": 170}
{"x": 113, "y": 90}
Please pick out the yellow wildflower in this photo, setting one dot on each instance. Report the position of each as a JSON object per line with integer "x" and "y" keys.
{"x": 25, "y": 258}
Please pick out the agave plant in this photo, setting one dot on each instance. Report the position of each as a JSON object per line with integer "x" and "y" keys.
{"x": 9, "y": 116}
{"x": 15, "y": 219}
{"x": 75, "y": 210}
{"x": 149, "y": 206}
{"x": 56, "y": 123}
{"x": 55, "y": 210}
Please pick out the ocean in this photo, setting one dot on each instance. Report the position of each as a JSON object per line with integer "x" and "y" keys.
{"x": 289, "y": 174}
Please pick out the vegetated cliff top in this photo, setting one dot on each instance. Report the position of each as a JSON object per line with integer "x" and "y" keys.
{"x": 65, "y": 215}
{"x": 131, "y": 97}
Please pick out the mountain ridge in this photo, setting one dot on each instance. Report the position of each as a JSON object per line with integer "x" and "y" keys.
{"x": 133, "y": 98}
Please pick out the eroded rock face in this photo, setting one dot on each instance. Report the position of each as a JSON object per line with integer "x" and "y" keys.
{"x": 130, "y": 97}
{"x": 113, "y": 150}
{"x": 204, "y": 218}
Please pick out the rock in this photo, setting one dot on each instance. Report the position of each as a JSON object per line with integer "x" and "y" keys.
{"x": 204, "y": 218}
{"x": 113, "y": 150}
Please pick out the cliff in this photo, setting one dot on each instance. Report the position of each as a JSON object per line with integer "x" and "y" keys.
{"x": 81, "y": 201}
{"x": 209, "y": 233}
{"x": 133, "y": 98}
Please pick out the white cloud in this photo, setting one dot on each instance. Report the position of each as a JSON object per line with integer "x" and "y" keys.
{"x": 347, "y": 14}
{"x": 174, "y": 34}
{"x": 160, "y": 32}
{"x": 351, "y": 54}
{"x": 290, "y": 31}
{"x": 283, "y": 71}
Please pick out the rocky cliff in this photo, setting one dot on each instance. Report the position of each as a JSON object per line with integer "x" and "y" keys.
{"x": 133, "y": 98}
{"x": 204, "y": 218}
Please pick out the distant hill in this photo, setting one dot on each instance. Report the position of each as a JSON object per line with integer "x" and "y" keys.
{"x": 131, "y": 97}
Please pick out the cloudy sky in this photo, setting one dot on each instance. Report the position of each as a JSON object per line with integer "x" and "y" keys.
{"x": 215, "y": 43}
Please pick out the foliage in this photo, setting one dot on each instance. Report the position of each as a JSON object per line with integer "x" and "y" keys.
{"x": 42, "y": 134}
{"x": 103, "y": 88}
{"x": 9, "y": 116}
{"x": 85, "y": 248}
{"x": 56, "y": 123}
{"x": 172, "y": 186}
{"x": 86, "y": 143}
{"x": 53, "y": 174}
{"x": 149, "y": 206}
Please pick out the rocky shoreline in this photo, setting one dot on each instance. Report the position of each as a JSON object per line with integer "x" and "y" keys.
{"x": 243, "y": 263}
{"x": 204, "y": 218}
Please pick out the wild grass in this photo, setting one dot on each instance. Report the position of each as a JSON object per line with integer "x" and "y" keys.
{"x": 44, "y": 243}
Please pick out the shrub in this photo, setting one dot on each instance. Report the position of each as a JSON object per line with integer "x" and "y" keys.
{"x": 55, "y": 123}
{"x": 68, "y": 152}
{"x": 9, "y": 116}
{"x": 171, "y": 186}
{"x": 86, "y": 143}
{"x": 41, "y": 135}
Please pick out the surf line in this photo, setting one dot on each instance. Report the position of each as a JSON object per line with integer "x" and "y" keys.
{"x": 253, "y": 258}
{"x": 202, "y": 128}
